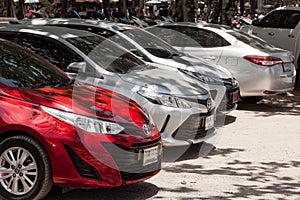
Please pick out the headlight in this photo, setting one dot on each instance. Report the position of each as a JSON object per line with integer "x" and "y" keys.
{"x": 202, "y": 78}
{"x": 150, "y": 93}
{"x": 85, "y": 123}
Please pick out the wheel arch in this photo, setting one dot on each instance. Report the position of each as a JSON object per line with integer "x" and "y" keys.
{"x": 15, "y": 130}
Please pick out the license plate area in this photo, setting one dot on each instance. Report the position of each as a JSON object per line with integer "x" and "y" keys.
{"x": 151, "y": 155}
{"x": 287, "y": 67}
{"x": 209, "y": 122}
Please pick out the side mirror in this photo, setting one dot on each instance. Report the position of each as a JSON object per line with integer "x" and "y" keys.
{"x": 77, "y": 66}
{"x": 140, "y": 55}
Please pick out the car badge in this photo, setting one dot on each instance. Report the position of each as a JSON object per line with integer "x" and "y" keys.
{"x": 208, "y": 104}
{"x": 147, "y": 129}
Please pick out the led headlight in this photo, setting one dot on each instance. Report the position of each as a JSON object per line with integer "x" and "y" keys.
{"x": 203, "y": 78}
{"x": 85, "y": 123}
{"x": 150, "y": 93}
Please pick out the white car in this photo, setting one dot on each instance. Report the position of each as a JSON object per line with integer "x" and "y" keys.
{"x": 280, "y": 27}
{"x": 260, "y": 68}
{"x": 157, "y": 52}
{"x": 178, "y": 105}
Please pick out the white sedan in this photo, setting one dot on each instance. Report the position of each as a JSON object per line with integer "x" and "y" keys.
{"x": 260, "y": 68}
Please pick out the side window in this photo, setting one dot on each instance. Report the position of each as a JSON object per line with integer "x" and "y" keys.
{"x": 292, "y": 19}
{"x": 203, "y": 38}
{"x": 100, "y": 31}
{"x": 53, "y": 51}
{"x": 273, "y": 20}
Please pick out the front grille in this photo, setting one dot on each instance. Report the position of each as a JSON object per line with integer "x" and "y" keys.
{"x": 84, "y": 169}
{"x": 130, "y": 162}
{"x": 192, "y": 128}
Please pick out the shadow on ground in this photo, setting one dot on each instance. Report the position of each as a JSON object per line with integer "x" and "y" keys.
{"x": 262, "y": 179}
{"x": 288, "y": 104}
{"x": 137, "y": 191}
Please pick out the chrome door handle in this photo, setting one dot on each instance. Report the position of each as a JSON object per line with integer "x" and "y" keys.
{"x": 210, "y": 57}
{"x": 271, "y": 34}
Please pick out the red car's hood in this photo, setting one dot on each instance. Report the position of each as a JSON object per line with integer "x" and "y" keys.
{"x": 88, "y": 101}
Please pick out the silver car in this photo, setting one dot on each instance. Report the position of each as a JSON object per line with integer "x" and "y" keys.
{"x": 260, "y": 68}
{"x": 157, "y": 52}
{"x": 179, "y": 106}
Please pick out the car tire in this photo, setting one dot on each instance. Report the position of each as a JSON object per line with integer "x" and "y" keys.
{"x": 251, "y": 99}
{"x": 25, "y": 169}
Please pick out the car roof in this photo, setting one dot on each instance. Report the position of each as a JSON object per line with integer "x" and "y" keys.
{"x": 46, "y": 30}
{"x": 104, "y": 24}
{"x": 288, "y": 8}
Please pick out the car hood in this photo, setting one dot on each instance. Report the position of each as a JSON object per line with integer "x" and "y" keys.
{"x": 169, "y": 81}
{"x": 203, "y": 66}
{"x": 84, "y": 100}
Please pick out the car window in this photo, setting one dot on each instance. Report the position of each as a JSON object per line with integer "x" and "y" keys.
{"x": 204, "y": 38}
{"x": 19, "y": 68}
{"x": 173, "y": 37}
{"x": 53, "y": 51}
{"x": 292, "y": 19}
{"x": 100, "y": 31}
{"x": 286, "y": 19}
{"x": 108, "y": 34}
{"x": 151, "y": 43}
{"x": 106, "y": 54}
{"x": 250, "y": 40}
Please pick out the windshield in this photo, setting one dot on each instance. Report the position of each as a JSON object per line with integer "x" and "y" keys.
{"x": 20, "y": 69}
{"x": 250, "y": 40}
{"x": 151, "y": 43}
{"x": 106, "y": 54}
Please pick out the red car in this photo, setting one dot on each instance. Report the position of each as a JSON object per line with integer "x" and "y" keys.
{"x": 53, "y": 131}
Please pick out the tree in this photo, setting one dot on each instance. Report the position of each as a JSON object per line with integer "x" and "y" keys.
{"x": 185, "y": 11}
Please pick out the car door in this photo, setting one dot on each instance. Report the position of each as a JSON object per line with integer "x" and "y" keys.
{"x": 279, "y": 28}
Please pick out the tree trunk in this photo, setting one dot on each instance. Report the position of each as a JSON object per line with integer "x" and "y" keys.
{"x": 185, "y": 11}
{"x": 64, "y": 8}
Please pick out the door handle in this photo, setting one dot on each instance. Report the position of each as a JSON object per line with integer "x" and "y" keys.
{"x": 291, "y": 36}
{"x": 271, "y": 34}
{"x": 210, "y": 57}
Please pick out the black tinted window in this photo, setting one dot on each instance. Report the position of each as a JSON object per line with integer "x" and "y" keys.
{"x": 287, "y": 19}
{"x": 19, "y": 68}
{"x": 57, "y": 53}
{"x": 106, "y": 54}
{"x": 195, "y": 37}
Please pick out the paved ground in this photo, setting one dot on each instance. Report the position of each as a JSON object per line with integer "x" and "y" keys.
{"x": 257, "y": 156}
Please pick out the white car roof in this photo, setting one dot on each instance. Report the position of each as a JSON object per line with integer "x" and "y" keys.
{"x": 105, "y": 24}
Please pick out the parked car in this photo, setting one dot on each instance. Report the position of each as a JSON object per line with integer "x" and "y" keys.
{"x": 55, "y": 131}
{"x": 173, "y": 100}
{"x": 260, "y": 68}
{"x": 280, "y": 27}
{"x": 157, "y": 52}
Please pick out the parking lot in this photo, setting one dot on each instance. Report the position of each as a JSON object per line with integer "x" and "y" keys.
{"x": 256, "y": 157}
